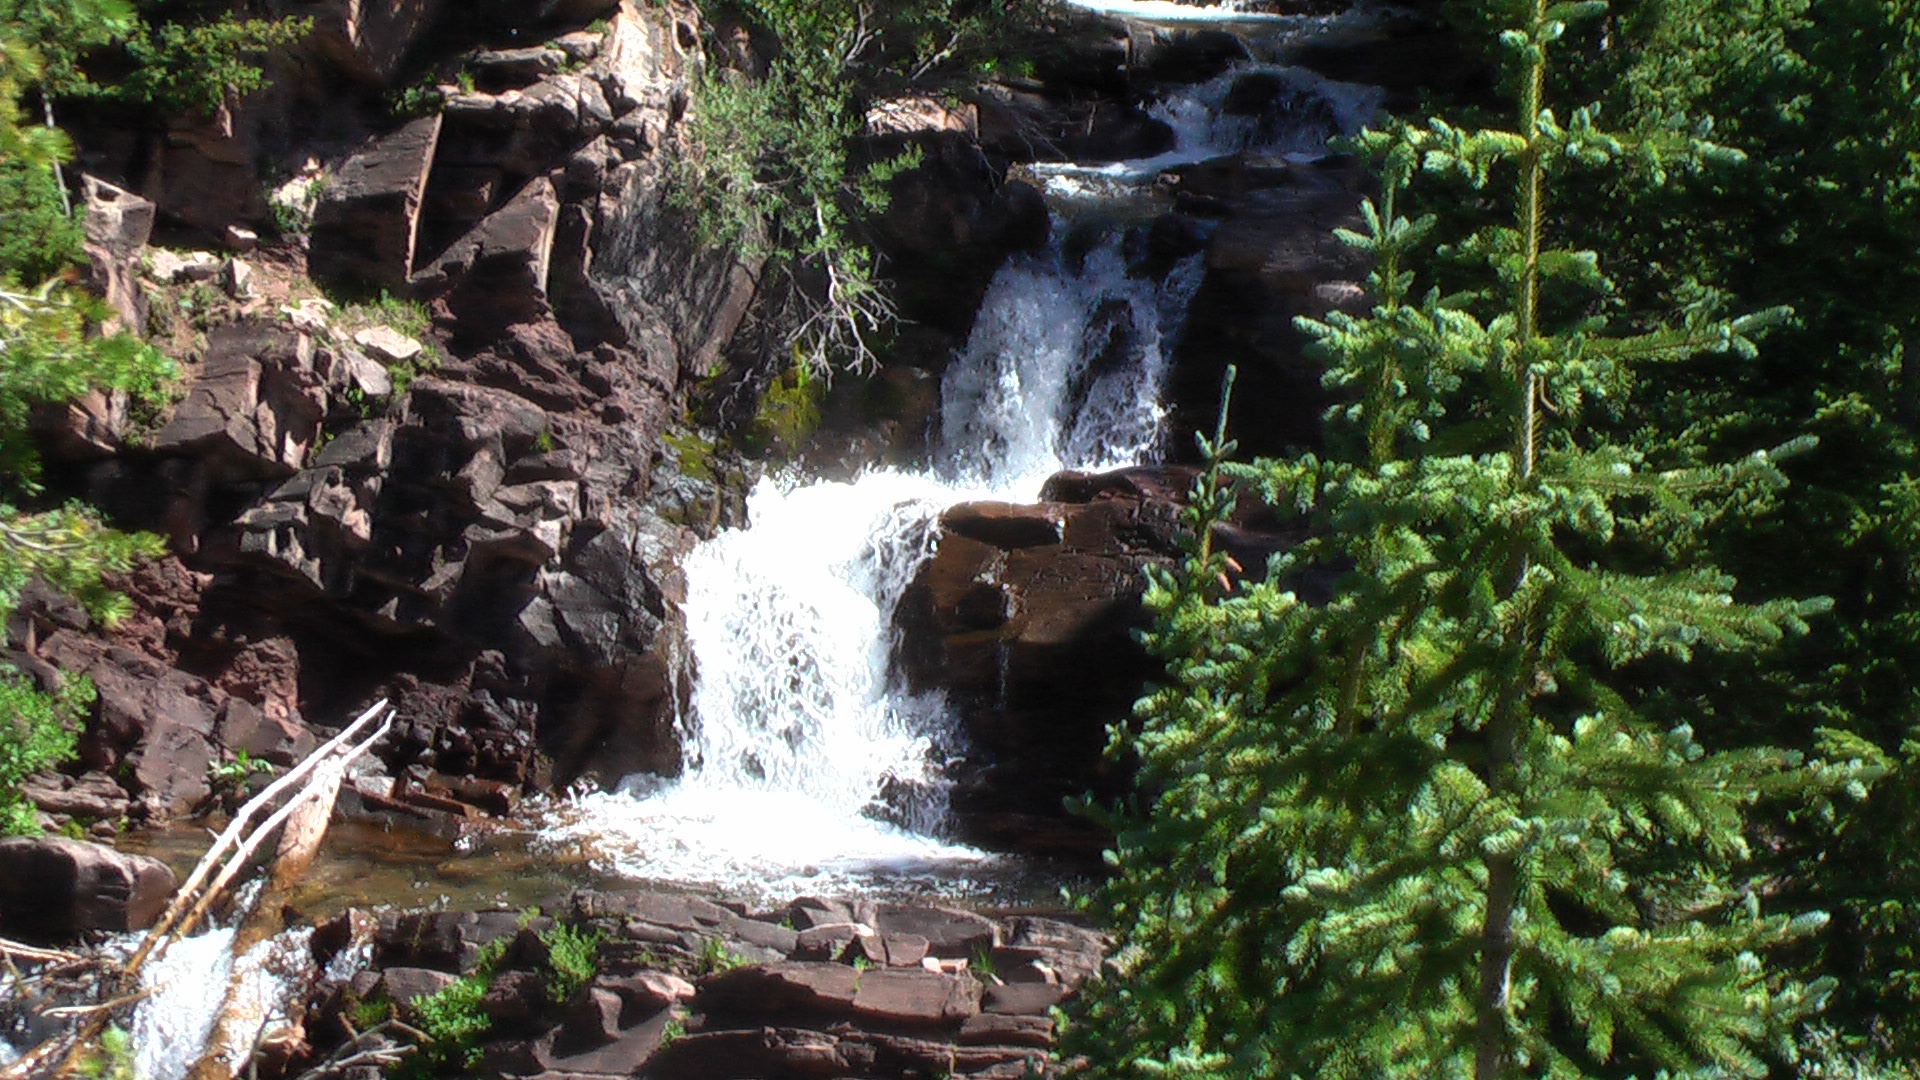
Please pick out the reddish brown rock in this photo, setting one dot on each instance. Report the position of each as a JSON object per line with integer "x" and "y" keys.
{"x": 368, "y": 219}
{"x": 904, "y": 996}
{"x": 57, "y": 887}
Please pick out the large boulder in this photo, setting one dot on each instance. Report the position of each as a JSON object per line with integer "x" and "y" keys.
{"x": 255, "y": 410}
{"x": 58, "y": 888}
{"x": 1026, "y": 617}
{"x": 367, "y": 223}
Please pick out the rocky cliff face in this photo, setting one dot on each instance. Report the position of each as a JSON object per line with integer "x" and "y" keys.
{"x": 477, "y": 542}
{"x": 483, "y": 517}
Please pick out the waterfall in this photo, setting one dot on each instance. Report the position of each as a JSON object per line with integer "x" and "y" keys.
{"x": 808, "y": 766}
{"x": 807, "y": 762}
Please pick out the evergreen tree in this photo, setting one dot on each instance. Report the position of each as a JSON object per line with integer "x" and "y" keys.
{"x": 1422, "y": 829}
{"x": 49, "y": 354}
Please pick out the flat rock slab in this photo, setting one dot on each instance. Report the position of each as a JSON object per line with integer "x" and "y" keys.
{"x": 903, "y": 996}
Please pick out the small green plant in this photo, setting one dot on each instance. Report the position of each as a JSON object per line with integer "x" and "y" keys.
{"x": 36, "y": 732}
{"x": 717, "y": 956}
{"x": 573, "y": 955}
{"x": 409, "y": 317}
{"x": 674, "y": 1031}
{"x": 234, "y": 774}
{"x": 421, "y": 99}
{"x": 982, "y": 964}
{"x": 543, "y": 442}
{"x": 464, "y": 80}
{"x": 452, "y": 1020}
{"x": 861, "y": 963}
{"x": 695, "y": 454}
{"x": 370, "y": 1013}
{"x": 111, "y": 1058}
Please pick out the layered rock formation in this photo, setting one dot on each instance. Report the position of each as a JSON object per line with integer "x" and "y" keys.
{"x": 688, "y": 988}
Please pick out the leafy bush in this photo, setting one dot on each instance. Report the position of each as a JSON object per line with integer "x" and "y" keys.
{"x": 452, "y": 1020}
{"x": 573, "y": 955}
{"x": 773, "y": 170}
{"x": 182, "y": 68}
{"x": 36, "y": 733}
{"x": 37, "y": 237}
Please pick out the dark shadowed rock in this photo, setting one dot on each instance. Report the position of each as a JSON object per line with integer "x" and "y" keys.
{"x": 368, "y": 219}
{"x": 747, "y": 1054}
{"x": 792, "y": 988}
{"x": 57, "y": 887}
{"x": 366, "y": 41}
{"x": 496, "y": 275}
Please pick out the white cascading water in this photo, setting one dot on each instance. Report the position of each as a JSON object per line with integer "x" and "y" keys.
{"x": 808, "y": 766}
{"x": 188, "y": 986}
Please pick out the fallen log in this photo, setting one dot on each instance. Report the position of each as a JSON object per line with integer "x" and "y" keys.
{"x": 308, "y": 790}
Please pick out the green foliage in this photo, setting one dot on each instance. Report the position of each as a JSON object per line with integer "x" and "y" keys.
{"x": 452, "y": 1020}
{"x": 574, "y": 956}
{"x": 111, "y": 1058}
{"x": 36, "y": 733}
{"x": 37, "y": 237}
{"x": 789, "y": 412}
{"x": 409, "y": 317}
{"x": 717, "y": 956}
{"x": 233, "y": 775}
{"x": 178, "y": 67}
{"x": 1822, "y": 216}
{"x": 1438, "y": 826}
{"x": 775, "y": 173}
{"x": 181, "y": 68}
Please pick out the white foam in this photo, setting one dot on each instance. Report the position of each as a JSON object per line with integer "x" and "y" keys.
{"x": 1167, "y": 11}
{"x": 187, "y": 984}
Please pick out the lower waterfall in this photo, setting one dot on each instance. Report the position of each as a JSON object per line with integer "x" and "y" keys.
{"x": 808, "y": 766}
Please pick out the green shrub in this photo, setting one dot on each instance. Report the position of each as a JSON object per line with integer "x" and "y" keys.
{"x": 36, "y": 733}
{"x": 37, "y": 238}
{"x": 573, "y": 957}
{"x": 452, "y": 1020}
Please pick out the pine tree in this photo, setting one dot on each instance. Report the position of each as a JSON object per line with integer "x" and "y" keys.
{"x": 1421, "y": 829}
{"x": 49, "y": 354}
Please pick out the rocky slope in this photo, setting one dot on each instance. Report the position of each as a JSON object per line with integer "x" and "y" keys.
{"x": 481, "y": 516}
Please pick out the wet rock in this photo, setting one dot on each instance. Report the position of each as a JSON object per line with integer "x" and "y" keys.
{"x": 367, "y": 221}
{"x": 1005, "y": 525}
{"x": 58, "y": 887}
{"x": 1162, "y": 54}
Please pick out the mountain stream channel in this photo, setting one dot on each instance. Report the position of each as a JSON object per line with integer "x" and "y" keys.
{"x": 810, "y": 768}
